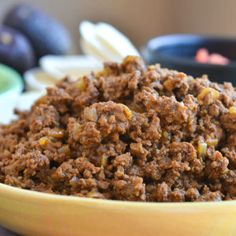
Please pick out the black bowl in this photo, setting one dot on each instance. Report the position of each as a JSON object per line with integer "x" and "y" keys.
{"x": 178, "y": 51}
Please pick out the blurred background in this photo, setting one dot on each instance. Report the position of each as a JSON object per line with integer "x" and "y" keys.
{"x": 140, "y": 20}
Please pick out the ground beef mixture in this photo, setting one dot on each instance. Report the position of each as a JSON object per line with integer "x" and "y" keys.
{"x": 130, "y": 132}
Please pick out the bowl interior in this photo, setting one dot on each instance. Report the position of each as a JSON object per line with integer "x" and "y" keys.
{"x": 186, "y": 46}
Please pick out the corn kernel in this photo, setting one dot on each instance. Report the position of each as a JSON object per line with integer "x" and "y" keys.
{"x": 232, "y": 110}
{"x": 130, "y": 59}
{"x": 151, "y": 67}
{"x": 90, "y": 114}
{"x": 94, "y": 194}
{"x": 76, "y": 130}
{"x": 212, "y": 142}
{"x": 90, "y": 194}
{"x": 206, "y": 91}
{"x": 127, "y": 112}
{"x": 56, "y": 133}
{"x": 165, "y": 134}
{"x": 181, "y": 75}
{"x": 65, "y": 149}
{"x": 105, "y": 72}
{"x": 103, "y": 161}
{"x": 43, "y": 141}
{"x": 169, "y": 85}
{"x": 42, "y": 100}
{"x": 80, "y": 84}
{"x": 202, "y": 148}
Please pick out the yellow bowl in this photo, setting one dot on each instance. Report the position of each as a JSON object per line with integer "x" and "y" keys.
{"x": 32, "y": 213}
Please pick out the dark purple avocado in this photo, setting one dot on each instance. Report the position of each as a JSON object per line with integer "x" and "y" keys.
{"x": 15, "y": 50}
{"x": 46, "y": 35}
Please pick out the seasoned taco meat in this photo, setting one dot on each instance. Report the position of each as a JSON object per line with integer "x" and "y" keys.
{"x": 130, "y": 132}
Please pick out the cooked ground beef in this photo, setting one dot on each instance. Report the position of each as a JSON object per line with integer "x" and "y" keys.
{"x": 130, "y": 132}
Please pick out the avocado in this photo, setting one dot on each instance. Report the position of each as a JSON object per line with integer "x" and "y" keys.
{"x": 46, "y": 34}
{"x": 15, "y": 50}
